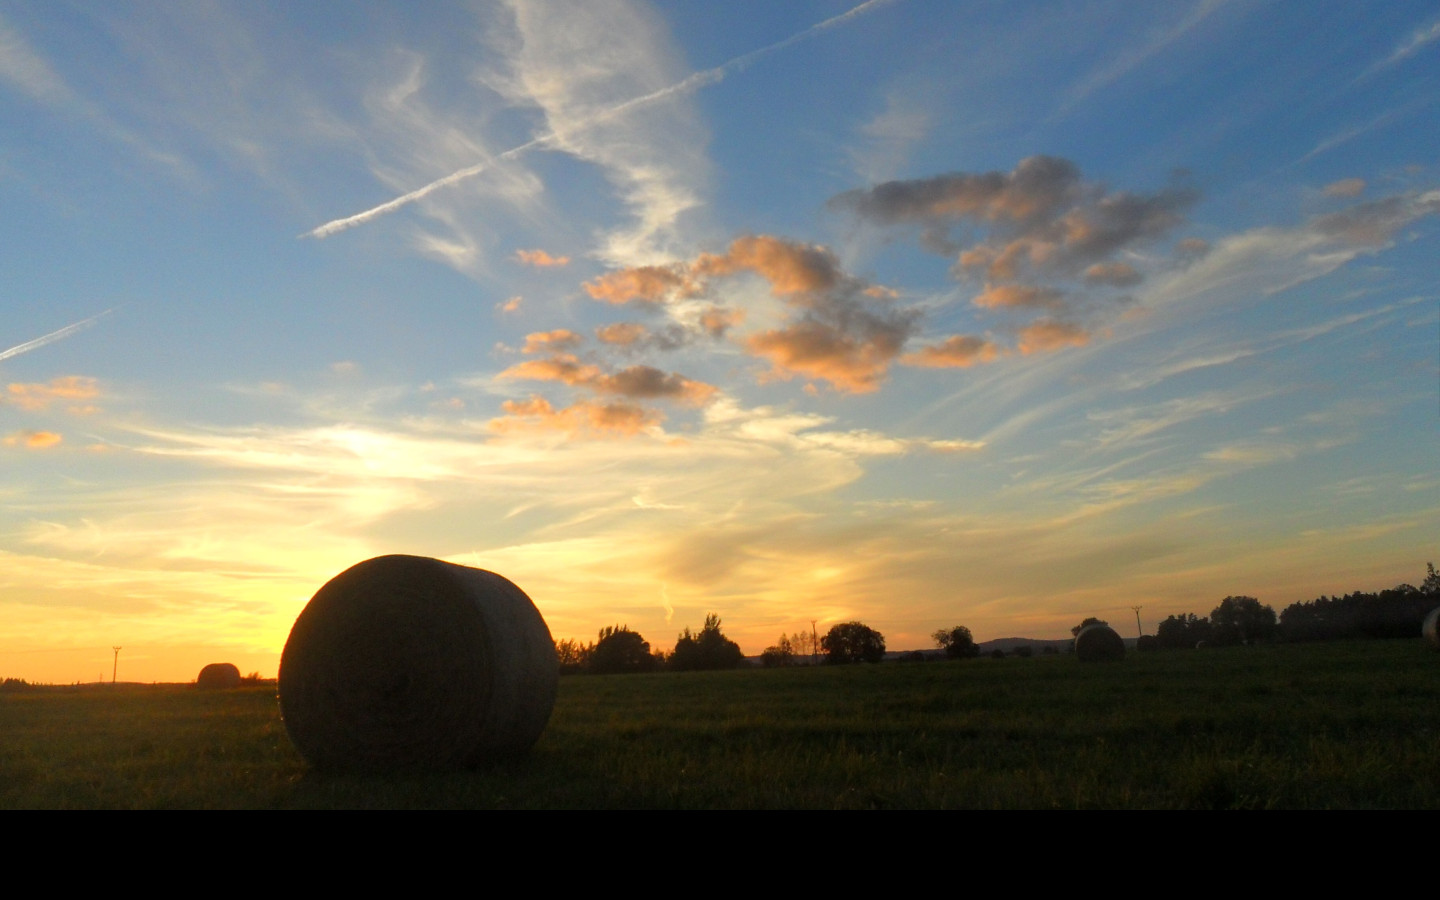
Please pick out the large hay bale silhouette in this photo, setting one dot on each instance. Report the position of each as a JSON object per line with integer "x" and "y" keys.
{"x": 405, "y": 662}
{"x": 1099, "y": 643}
{"x": 218, "y": 676}
{"x": 1431, "y": 630}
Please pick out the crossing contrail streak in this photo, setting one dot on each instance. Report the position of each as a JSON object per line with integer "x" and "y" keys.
{"x": 54, "y": 336}
{"x": 691, "y": 83}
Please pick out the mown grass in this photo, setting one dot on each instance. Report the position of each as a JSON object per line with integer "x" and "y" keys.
{"x": 1352, "y": 725}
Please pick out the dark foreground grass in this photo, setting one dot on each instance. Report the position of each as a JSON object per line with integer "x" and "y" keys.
{"x": 1318, "y": 726}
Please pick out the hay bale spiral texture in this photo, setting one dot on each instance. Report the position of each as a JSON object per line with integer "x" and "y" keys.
{"x": 218, "y": 677}
{"x": 1099, "y": 643}
{"x": 404, "y": 662}
{"x": 1431, "y": 629}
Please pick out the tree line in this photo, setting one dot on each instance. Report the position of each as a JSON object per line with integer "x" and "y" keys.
{"x": 617, "y": 649}
{"x": 1398, "y": 612}
{"x": 1395, "y": 613}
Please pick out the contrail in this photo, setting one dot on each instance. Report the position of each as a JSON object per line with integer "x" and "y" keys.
{"x": 54, "y": 336}
{"x": 693, "y": 82}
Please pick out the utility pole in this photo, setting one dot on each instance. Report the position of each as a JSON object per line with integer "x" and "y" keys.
{"x": 1140, "y": 630}
{"x": 115, "y": 667}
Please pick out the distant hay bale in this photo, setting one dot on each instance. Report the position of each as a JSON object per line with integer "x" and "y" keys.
{"x": 404, "y": 662}
{"x": 1432, "y": 628}
{"x": 218, "y": 677}
{"x": 1099, "y": 643}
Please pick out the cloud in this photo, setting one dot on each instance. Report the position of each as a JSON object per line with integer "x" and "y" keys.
{"x": 1405, "y": 49}
{"x": 510, "y": 305}
{"x": 587, "y": 417}
{"x": 36, "y": 397}
{"x": 838, "y": 330}
{"x": 1373, "y": 224}
{"x": 1008, "y": 296}
{"x": 540, "y": 259}
{"x": 551, "y": 341}
{"x": 644, "y": 382}
{"x": 717, "y": 320}
{"x": 1345, "y": 187}
{"x": 790, "y": 267}
{"x": 576, "y": 64}
{"x": 1042, "y": 217}
{"x": 345, "y": 367}
{"x": 956, "y": 352}
{"x": 34, "y": 440}
{"x": 622, "y": 333}
{"x": 1044, "y": 335}
{"x": 1116, "y": 274}
{"x": 853, "y": 352}
{"x": 644, "y": 284}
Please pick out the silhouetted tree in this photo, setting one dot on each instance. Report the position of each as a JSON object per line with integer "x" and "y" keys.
{"x": 957, "y": 642}
{"x": 853, "y": 642}
{"x": 620, "y": 650}
{"x": 1183, "y": 631}
{"x": 1242, "y": 619}
{"x": 572, "y": 655}
{"x": 782, "y": 653}
{"x": 709, "y": 649}
{"x": 1086, "y": 624}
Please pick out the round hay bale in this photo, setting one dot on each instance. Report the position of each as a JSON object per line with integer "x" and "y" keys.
{"x": 404, "y": 662}
{"x": 1431, "y": 630}
{"x": 218, "y": 677}
{"x": 1099, "y": 643}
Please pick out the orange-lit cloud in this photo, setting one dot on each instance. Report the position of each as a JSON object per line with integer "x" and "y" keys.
{"x": 562, "y": 367}
{"x": 550, "y": 341}
{"x": 1044, "y": 335}
{"x": 957, "y": 352}
{"x": 540, "y": 259}
{"x": 622, "y": 333}
{"x": 35, "y": 440}
{"x": 717, "y": 320}
{"x": 1345, "y": 187}
{"x": 643, "y": 284}
{"x": 790, "y": 267}
{"x": 511, "y": 305}
{"x": 853, "y": 360}
{"x": 840, "y": 330}
{"x": 1007, "y": 296}
{"x": 635, "y": 381}
{"x": 35, "y": 397}
{"x": 613, "y": 418}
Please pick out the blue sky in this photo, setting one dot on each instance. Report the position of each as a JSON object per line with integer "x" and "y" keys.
{"x": 910, "y": 312}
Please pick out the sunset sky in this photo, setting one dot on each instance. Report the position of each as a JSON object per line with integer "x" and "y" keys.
{"x": 920, "y": 313}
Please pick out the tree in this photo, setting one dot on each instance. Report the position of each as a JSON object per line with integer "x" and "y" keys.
{"x": 709, "y": 649}
{"x": 572, "y": 655}
{"x": 782, "y": 653}
{"x": 1075, "y": 632}
{"x": 1242, "y": 619}
{"x": 1183, "y": 631}
{"x": 957, "y": 642}
{"x": 852, "y": 642}
{"x": 620, "y": 650}
{"x": 1431, "y": 584}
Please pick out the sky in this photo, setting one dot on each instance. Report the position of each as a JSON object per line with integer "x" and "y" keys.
{"x": 915, "y": 313}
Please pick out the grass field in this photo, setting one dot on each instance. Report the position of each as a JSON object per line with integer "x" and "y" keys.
{"x": 1292, "y": 726}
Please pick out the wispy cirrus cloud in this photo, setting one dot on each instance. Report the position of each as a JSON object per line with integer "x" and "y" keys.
{"x": 587, "y": 76}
